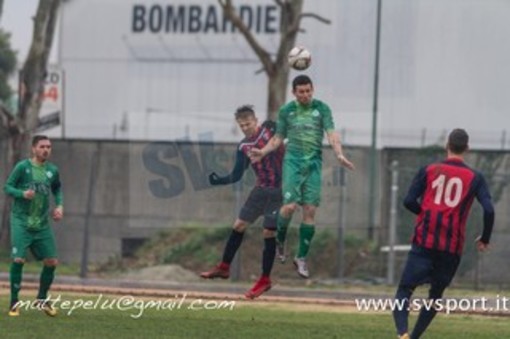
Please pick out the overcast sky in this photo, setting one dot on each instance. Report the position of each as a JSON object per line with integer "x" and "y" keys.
{"x": 17, "y": 19}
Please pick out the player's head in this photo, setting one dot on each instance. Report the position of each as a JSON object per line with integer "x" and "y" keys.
{"x": 458, "y": 141}
{"x": 246, "y": 119}
{"x": 41, "y": 147}
{"x": 302, "y": 88}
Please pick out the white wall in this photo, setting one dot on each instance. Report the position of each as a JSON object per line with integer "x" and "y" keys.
{"x": 443, "y": 65}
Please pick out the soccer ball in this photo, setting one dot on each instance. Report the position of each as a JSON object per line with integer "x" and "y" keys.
{"x": 299, "y": 58}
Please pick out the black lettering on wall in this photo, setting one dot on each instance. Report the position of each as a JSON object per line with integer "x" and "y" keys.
{"x": 138, "y": 24}
{"x": 194, "y": 24}
{"x": 152, "y": 157}
{"x": 271, "y": 17}
{"x": 211, "y": 20}
{"x": 198, "y": 174}
{"x": 246, "y": 15}
{"x": 157, "y": 18}
{"x": 175, "y": 22}
{"x": 259, "y": 18}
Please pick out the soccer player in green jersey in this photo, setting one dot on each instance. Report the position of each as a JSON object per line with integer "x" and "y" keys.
{"x": 30, "y": 184}
{"x": 302, "y": 122}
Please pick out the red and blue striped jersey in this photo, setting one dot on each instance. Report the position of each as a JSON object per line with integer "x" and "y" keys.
{"x": 441, "y": 195}
{"x": 269, "y": 170}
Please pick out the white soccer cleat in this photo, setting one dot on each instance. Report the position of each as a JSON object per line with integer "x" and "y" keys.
{"x": 301, "y": 267}
{"x": 280, "y": 252}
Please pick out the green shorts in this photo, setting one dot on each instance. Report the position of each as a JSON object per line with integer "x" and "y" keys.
{"x": 40, "y": 242}
{"x": 302, "y": 181}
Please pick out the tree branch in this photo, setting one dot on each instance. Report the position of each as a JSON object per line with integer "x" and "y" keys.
{"x": 295, "y": 27}
{"x": 263, "y": 55}
{"x": 8, "y": 124}
{"x": 279, "y": 3}
{"x": 315, "y": 16}
{"x": 34, "y": 68}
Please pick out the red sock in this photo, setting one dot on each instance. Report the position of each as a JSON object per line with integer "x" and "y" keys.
{"x": 224, "y": 266}
{"x": 264, "y": 278}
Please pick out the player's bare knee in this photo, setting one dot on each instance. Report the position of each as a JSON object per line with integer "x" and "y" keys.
{"x": 239, "y": 227}
{"x": 288, "y": 210}
{"x": 19, "y": 260}
{"x": 50, "y": 262}
{"x": 309, "y": 208}
{"x": 309, "y": 211}
{"x": 267, "y": 233}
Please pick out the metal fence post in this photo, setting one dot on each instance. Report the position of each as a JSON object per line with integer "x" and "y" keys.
{"x": 94, "y": 168}
{"x": 236, "y": 262}
{"x": 392, "y": 223}
{"x": 342, "y": 216}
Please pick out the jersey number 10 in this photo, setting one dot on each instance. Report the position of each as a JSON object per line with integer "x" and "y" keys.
{"x": 448, "y": 191}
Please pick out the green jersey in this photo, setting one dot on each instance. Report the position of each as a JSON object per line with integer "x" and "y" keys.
{"x": 304, "y": 128}
{"x": 43, "y": 179}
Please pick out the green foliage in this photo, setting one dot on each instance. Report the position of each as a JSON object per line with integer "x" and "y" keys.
{"x": 198, "y": 248}
{"x": 189, "y": 246}
{"x": 360, "y": 256}
{"x": 7, "y": 64}
{"x": 198, "y": 245}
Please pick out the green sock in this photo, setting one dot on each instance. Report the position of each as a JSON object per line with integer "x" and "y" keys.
{"x": 47, "y": 275}
{"x": 282, "y": 225}
{"x": 15, "y": 278}
{"x": 306, "y": 233}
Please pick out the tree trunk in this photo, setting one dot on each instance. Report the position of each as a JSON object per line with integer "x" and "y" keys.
{"x": 14, "y": 154}
{"x": 278, "y": 79}
{"x": 277, "y": 69}
{"x": 33, "y": 76}
{"x": 277, "y": 88}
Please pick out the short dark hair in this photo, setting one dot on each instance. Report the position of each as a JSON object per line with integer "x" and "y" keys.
{"x": 37, "y": 138}
{"x": 244, "y": 111}
{"x": 458, "y": 141}
{"x": 301, "y": 80}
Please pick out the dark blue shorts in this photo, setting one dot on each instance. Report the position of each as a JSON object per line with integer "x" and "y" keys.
{"x": 429, "y": 266}
{"x": 264, "y": 201}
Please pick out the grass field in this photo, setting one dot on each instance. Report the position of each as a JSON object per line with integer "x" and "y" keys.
{"x": 240, "y": 320}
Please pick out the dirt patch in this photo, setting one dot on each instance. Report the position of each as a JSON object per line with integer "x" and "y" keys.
{"x": 168, "y": 273}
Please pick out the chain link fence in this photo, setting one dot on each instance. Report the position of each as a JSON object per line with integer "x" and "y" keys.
{"x": 122, "y": 195}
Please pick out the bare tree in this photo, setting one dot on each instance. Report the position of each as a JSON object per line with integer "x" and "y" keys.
{"x": 33, "y": 75}
{"x": 277, "y": 69}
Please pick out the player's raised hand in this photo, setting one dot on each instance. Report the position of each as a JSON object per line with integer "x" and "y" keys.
{"x": 345, "y": 162}
{"x": 58, "y": 213}
{"x": 214, "y": 178}
{"x": 255, "y": 155}
{"x": 29, "y": 194}
{"x": 481, "y": 246}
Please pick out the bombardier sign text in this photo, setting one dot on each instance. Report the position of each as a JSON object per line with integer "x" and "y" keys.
{"x": 260, "y": 19}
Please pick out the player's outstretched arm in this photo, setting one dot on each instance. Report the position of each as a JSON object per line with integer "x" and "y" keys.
{"x": 58, "y": 213}
{"x": 257, "y": 154}
{"x": 481, "y": 246}
{"x": 56, "y": 190}
{"x": 484, "y": 198}
{"x": 334, "y": 141}
{"x": 241, "y": 164}
{"x": 416, "y": 191}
